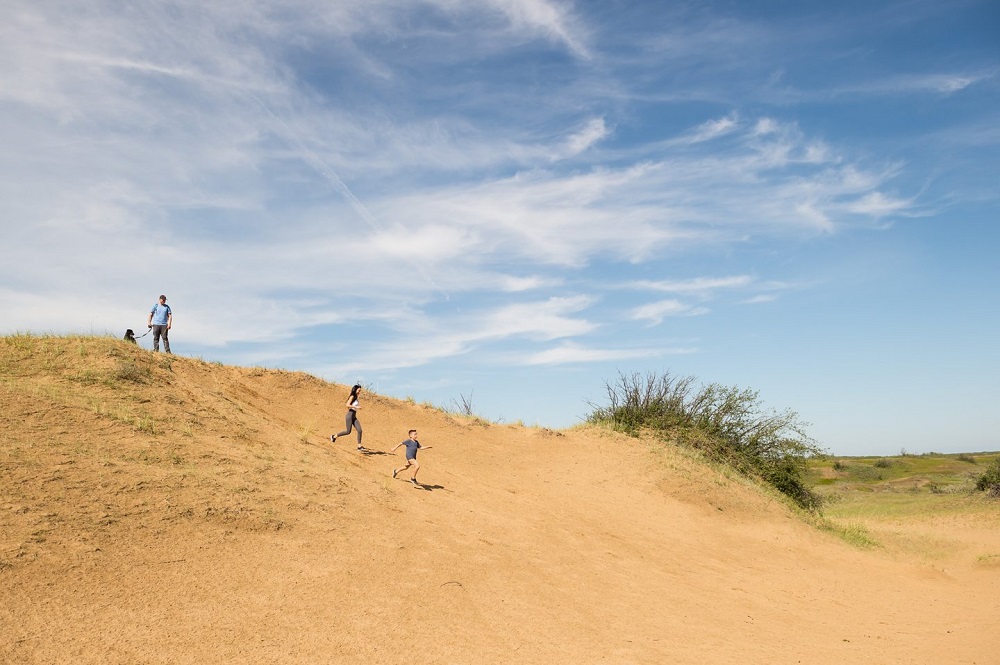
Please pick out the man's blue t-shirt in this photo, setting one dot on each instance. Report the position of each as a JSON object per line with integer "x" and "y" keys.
{"x": 160, "y": 314}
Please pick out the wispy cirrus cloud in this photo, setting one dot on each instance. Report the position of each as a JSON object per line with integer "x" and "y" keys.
{"x": 573, "y": 353}
{"x": 429, "y": 338}
{"x": 173, "y": 129}
{"x": 711, "y": 129}
{"x": 940, "y": 83}
{"x": 779, "y": 181}
{"x": 549, "y": 319}
{"x": 700, "y": 286}
{"x": 591, "y": 133}
{"x": 656, "y": 312}
{"x": 702, "y": 289}
{"x": 760, "y": 299}
{"x": 554, "y": 19}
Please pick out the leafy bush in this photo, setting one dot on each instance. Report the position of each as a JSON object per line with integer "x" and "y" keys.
{"x": 729, "y": 424}
{"x": 883, "y": 463}
{"x": 989, "y": 482}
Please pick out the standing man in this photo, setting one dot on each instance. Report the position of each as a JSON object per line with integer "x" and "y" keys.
{"x": 160, "y": 320}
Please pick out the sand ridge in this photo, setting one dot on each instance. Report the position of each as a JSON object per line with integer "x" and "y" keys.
{"x": 202, "y": 515}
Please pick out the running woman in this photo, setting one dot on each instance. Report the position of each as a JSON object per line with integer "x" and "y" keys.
{"x": 351, "y": 419}
{"x": 412, "y": 446}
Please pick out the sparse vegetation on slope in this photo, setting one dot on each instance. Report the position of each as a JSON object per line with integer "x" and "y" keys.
{"x": 728, "y": 424}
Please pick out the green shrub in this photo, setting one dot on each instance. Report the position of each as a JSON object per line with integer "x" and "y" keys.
{"x": 728, "y": 424}
{"x": 989, "y": 482}
{"x": 883, "y": 463}
{"x": 786, "y": 477}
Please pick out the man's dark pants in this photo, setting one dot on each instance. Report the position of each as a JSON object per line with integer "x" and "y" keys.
{"x": 160, "y": 331}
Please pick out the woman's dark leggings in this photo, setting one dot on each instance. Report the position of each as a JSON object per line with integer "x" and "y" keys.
{"x": 351, "y": 420}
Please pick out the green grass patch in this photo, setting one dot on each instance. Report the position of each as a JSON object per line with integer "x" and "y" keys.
{"x": 856, "y": 535}
{"x": 865, "y": 499}
{"x": 933, "y": 473}
{"x": 893, "y": 506}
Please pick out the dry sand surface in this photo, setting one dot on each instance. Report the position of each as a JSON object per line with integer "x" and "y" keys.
{"x": 159, "y": 509}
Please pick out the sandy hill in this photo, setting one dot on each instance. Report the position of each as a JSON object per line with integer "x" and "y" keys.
{"x": 161, "y": 509}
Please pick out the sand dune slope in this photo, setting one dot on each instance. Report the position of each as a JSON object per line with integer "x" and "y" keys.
{"x": 167, "y": 510}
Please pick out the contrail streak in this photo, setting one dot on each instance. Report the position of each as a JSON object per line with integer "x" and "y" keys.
{"x": 313, "y": 160}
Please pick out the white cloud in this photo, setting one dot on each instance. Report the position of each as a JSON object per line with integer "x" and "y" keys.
{"x": 552, "y": 18}
{"x": 910, "y": 84}
{"x": 423, "y": 244}
{"x": 657, "y": 311}
{"x": 764, "y": 127}
{"x": 809, "y": 212}
{"x": 591, "y": 133}
{"x": 713, "y": 129}
{"x": 783, "y": 181}
{"x": 513, "y": 283}
{"x": 326, "y": 164}
{"x": 427, "y": 339}
{"x": 402, "y": 353}
{"x": 760, "y": 299}
{"x": 702, "y": 286}
{"x": 570, "y": 353}
{"x": 543, "y": 320}
{"x": 877, "y": 204}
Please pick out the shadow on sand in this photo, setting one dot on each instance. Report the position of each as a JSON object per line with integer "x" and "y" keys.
{"x": 428, "y": 488}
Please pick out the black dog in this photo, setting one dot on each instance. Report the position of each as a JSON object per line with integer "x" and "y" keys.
{"x": 130, "y": 336}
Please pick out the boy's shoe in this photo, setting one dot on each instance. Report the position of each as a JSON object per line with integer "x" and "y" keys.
{"x": 361, "y": 447}
{"x": 333, "y": 438}
{"x": 394, "y": 473}
{"x": 414, "y": 481}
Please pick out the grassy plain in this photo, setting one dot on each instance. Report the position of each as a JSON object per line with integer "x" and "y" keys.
{"x": 909, "y": 504}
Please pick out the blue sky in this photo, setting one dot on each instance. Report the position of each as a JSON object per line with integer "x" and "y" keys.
{"x": 512, "y": 201}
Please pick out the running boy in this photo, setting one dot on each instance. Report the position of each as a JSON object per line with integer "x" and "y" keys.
{"x": 412, "y": 446}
